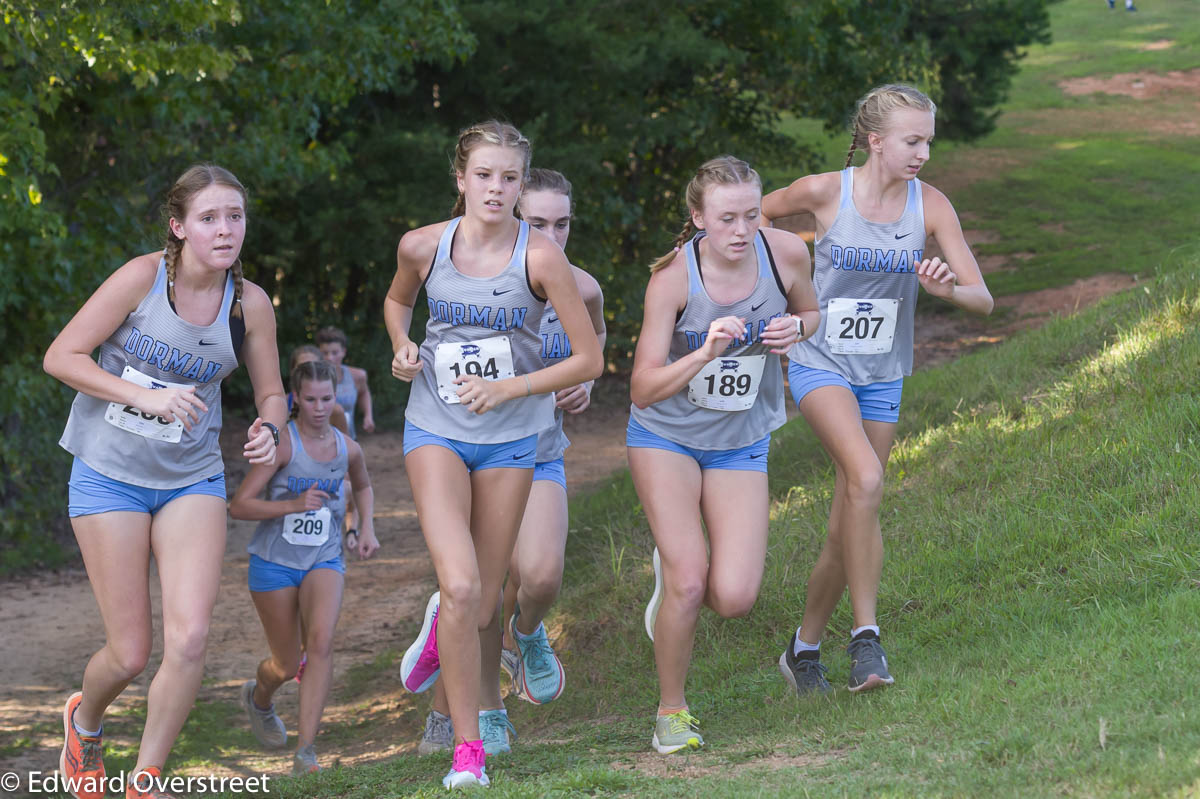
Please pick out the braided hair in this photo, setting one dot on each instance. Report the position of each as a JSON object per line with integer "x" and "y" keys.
{"x": 195, "y": 180}
{"x": 724, "y": 170}
{"x": 876, "y": 107}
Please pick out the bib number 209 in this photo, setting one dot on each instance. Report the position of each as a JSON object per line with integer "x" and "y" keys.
{"x": 308, "y": 529}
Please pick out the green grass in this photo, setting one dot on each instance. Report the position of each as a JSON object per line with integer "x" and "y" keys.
{"x": 1042, "y": 581}
{"x": 1039, "y": 599}
{"x": 1073, "y": 185}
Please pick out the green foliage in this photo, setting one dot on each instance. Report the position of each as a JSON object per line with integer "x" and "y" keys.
{"x": 105, "y": 104}
{"x": 339, "y": 117}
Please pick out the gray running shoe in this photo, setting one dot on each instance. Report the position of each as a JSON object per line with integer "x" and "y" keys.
{"x": 265, "y": 724}
{"x": 805, "y": 675}
{"x": 510, "y": 661}
{"x": 868, "y": 664}
{"x": 656, "y": 597}
{"x": 305, "y": 760}
{"x": 439, "y": 734}
{"x": 494, "y": 728}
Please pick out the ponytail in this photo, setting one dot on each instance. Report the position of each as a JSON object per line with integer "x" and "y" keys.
{"x": 688, "y": 232}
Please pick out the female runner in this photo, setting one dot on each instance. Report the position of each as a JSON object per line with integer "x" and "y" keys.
{"x": 296, "y": 569}
{"x": 707, "y": 392}
{"x": 148, "y": 476}
{"x": 872, "y": 224}
{"x": 480, "y": 397}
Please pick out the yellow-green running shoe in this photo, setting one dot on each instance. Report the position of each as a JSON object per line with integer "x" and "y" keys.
{"x": 677, "y": 731}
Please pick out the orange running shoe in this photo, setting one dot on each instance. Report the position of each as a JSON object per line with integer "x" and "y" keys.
{"x": 81, "y": 762}
{"x": 145, "y": 785}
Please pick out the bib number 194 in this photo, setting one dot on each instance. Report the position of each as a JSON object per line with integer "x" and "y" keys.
{"x": 488, "y": 358}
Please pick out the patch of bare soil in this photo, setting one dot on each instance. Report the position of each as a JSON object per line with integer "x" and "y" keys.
{"x": 50, "y": 625}
{"x": 1138, "y": 85}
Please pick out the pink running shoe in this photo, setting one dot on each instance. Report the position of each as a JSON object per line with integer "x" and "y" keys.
{"x": 303, "y": 663}
{"x": 420, "y": 667}
{"x": 468, "y": 767}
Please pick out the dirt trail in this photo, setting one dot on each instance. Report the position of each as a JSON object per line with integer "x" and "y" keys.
{"x": 50, "y": 624}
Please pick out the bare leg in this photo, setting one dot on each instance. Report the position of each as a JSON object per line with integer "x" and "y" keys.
{"x": 116, "y": 552}
{"x": 188, "y": 540}
{"x": 669, "y": 487}
{"x": 320, "y": 604}
{"x": 535, "y": 575}
{"x": 736, "y": 508}
{"x": 853, "y": 551}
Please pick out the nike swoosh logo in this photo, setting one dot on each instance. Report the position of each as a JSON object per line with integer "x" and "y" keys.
{"x": 552, "y": 320}
{"x": 215, "y": 478}
{"x": 204, "y": 343}
{"x": 497, "y": 292}
{"x": 759, "y": 455}
{"x": 898, "y": 236}
{"x": 522, "y": 455}
{"x": 754, "y": 308}
{"x": 894, "y": 406}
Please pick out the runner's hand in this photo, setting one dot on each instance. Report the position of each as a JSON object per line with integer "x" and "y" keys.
{"x": 312, "y": 499}
{"x": 368, "y": 424}
{"x": 936, "y": 278}
{"x": 575, "y": 399}
{"x": 407, "y": 362}
{"x": 172, "y": 404}
{"x": 260, "y": 444}
{"x": 479, "y": 395}
{"x": 367, "y": 545}
{"x": 780, "y": 334}
{"x": 720, "y": 333}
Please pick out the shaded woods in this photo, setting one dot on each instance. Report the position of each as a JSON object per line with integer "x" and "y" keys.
{"x": 340, "y": 118}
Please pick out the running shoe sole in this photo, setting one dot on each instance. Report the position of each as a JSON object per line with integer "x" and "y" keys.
{"x": 413, "y": 654}
{"x": 872, "y": 681}
{"x": 692, "y": 743}
{"x": 656, "y": 599}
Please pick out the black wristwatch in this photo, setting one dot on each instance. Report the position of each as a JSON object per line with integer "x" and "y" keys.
{"x": 274, "y": 431}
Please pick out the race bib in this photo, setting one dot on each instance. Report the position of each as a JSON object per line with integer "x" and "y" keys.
{"x": 307, "y": 529}
{"x": 489, "y": 358}
{"x": 133, "y": 420}
{"x": 727, "y": 384}
{"x": 861, "y": 327}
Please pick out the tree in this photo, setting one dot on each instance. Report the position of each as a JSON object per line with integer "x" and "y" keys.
{"x": 105, "y": 104}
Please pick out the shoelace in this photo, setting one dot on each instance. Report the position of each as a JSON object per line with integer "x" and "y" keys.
{"x": 440, "y": 728}
{"x": 867, "y": 650}
{"x": 683, "y": 722}
{"x": 495, "y": 723}
{"x": 90, "y": 751}
{"x": 809, "y": 666}
{"x": 539, "y": 654}
{"x": 469, "y": 757}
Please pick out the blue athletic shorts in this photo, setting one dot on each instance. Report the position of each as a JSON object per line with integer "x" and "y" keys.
{"x": 879, "y": 402}
{"x": 519, "y": 454}
{"x": 751, "y": 458}
{"x": 551, "y": 471}
{"x": 263, "y": 575}
{"x": 90, "y": 492}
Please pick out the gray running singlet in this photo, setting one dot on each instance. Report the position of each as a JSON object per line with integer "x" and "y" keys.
{"x": 556, "y": 347}
{"x": 866, "y": 283}
{"x": 347, "y": 397}
{"x": 154, "y": 347}
{"x": 302, "y": 540}
{"x": 486, "y": 326}
{"x": 726, "y": 379}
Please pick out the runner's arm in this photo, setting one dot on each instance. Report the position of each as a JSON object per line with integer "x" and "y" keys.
{"x": 966, "y": 288}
